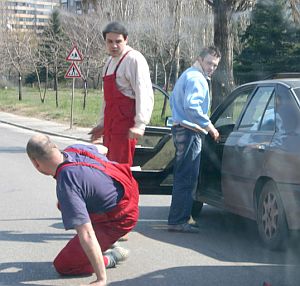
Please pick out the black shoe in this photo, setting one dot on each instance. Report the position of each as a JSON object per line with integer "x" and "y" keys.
{"x": 185, "y": 228}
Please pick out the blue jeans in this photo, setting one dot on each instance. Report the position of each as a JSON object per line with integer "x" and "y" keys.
{"x": 186, "y": 171}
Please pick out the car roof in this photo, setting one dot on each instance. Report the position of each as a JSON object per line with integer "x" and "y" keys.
{"x": 289, "y": 82}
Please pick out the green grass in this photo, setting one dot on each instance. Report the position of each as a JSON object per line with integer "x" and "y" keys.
{"x": 31, "y": 106}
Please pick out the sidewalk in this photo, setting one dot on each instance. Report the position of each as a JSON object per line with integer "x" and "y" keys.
{"x": 47, "y": 127}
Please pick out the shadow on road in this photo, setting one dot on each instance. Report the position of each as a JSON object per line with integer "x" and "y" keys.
{"x": 32, "y": 237}
{"x": 223, "y": 236}
{"x": 20, "y": 236}
{"x": 215, "y": 275}
{"x": 16, "y": 273}
{"x": 12, "y": 149}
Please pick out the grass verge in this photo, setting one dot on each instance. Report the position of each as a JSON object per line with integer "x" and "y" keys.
{"x": 32, "y": 106}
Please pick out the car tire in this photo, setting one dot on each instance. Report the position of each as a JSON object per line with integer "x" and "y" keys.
{"x": 271, "y": 220}
{"x": 196, "y": 209}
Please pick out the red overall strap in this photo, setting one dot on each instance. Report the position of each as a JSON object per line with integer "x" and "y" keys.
{"x": 115, "y": 71}
{"x": 77, "y": 164}
{"x": 119, "y": 172}
{"x": 84, "y": 153}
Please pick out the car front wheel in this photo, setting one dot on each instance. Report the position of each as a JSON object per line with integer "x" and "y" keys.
{"x": 271, "y": 220}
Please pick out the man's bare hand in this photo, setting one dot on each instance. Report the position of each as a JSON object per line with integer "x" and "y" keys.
{"x": 136, "y": 133}
{"x": 95, "y": 283}
{"x": 96, "y": 133}
{"x": 214, "y": 133}
{"x": 92, "y": 249}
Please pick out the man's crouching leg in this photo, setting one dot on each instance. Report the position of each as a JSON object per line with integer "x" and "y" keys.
{"x": 73, "y": 261}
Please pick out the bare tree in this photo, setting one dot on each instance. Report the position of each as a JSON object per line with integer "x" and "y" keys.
{"x": 294, "y": 5}
{"x": 86, "y": 4}
{"x": 85, "y": 32}
{"x": 53, "y": 47}
{"x": 160, "y": 33}
{"x": 122, "y": 10}
{"x": 15, "y": 44}
{"x": 224, "y": 10}
{"x": 34, "y": 57}
{"x": 226, "y": 13}
{"x": 197, "y": 30}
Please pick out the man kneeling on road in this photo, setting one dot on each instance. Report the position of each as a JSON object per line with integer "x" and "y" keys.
{"x": 97, "y": 198}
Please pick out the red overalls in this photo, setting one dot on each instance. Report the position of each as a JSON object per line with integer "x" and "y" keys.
{"x": 108, "y": 227}
{"x": 119, "y": 116}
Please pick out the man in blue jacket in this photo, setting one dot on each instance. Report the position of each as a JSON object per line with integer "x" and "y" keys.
{"x": 190, "y": 103}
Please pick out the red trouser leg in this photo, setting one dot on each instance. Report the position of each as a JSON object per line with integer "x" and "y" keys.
{"x": 120, "y": 148}
{"x": 72, "y": 259}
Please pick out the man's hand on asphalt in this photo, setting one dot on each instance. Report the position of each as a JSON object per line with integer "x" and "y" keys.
{"x": 95, "y": 283}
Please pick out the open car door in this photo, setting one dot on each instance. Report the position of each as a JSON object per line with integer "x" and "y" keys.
{"x": 224, "y": 119}
{"x": 154, "y": 153}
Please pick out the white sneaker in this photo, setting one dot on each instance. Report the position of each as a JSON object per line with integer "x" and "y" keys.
{"x": 111, "y": 260}
{"x": 119, "y": 253}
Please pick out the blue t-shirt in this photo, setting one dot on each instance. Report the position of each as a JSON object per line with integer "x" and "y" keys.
{"x": 82, "y": 190}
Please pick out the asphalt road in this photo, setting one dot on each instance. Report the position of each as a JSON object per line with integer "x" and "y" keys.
{"x": 225, "y": 252}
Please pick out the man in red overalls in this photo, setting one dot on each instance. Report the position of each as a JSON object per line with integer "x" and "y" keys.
{"x": 97, "y": 198}
{"x": 128, "y": 96}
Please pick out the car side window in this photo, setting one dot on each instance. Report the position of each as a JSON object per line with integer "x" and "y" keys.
{"x": 268, "y": 120}
{"x": 232, "y": 112}
{"x": 256, "y": 108}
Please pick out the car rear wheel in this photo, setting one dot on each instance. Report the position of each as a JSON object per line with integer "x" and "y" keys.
{"x": 196, "y": 210}
{"x": 271, "y": 220}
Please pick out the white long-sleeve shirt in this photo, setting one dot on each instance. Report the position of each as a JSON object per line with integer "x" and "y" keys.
{"x": 133, "y": 80}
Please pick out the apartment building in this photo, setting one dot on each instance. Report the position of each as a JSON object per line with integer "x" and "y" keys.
{"x": 79, "y": 6}
{"x": 27, "y": 15}
{"x": 74, "y": 6}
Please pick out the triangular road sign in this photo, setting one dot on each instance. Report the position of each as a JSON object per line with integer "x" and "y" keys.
{"x": 74, "y": 55}
{"x": 73, "y": 71}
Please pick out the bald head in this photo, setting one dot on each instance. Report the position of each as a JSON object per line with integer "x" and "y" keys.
{"x": 40, "y": 147}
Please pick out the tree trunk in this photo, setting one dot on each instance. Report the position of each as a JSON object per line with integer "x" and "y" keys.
{"x": 155, "y": 70}
{"x": 85, "y": 91}
{"x": 20, "y": 86}
{"x": 178, "y": 28}
{"x": 222, "y": 81}
{"x": 56, "y": 88}
{"x": 46, "y": 83}
{"x": 39, "y": 83}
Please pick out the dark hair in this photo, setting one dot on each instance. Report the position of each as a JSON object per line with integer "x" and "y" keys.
{"x": 211, "y": 50}
{"x": 115, "y": 27}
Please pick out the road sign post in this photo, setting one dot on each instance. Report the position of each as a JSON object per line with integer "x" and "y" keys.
{"x": 72, "y": 103}
{"x": 73, "y": 72}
